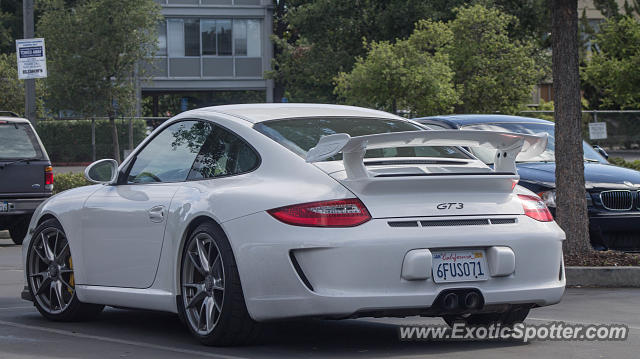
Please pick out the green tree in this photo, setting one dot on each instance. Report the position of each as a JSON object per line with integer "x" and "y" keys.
{"x": 493, "y": 71}
{"x": 613, "y": 68}
{"x": 12, "y": 89}
{"x": 317, "y": 39}
{"x": 10, "y": 24}
{"x": 324, "y": 38}
{"x": 93, "y": 48}
{"x": 412, "y": 74}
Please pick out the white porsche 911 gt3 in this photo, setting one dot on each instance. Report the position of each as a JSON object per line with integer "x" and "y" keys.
{"x": 233, "y": 215}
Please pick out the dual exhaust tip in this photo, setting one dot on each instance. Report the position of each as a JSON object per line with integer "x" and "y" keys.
{"x": 466, "y": 300}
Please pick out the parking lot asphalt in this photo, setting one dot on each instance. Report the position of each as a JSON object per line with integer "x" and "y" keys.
{"x": 121, "y": 333}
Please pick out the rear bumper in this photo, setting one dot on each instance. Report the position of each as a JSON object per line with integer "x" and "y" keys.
{"x": 343, "y": 272}
{"x": 21, "y": 206}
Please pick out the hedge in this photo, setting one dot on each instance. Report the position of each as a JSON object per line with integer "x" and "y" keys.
{"x": 70, "y": 140}
{"x": 628, "y": 164}
{"x": 65, "y": 181}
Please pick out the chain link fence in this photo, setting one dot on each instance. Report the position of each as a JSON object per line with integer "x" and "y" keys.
{"x": 622, "y": 129}
{"x": 77, "y": 141}
{"x": 80, "y": 141}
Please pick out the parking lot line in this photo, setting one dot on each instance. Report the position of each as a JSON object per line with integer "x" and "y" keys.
{"x": 11, "y": 308}
{"x": 119, "y": 341}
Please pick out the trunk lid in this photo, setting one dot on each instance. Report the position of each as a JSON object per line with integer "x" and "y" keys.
{"x": 432, "y": 190}
{"x": 22, "y": 178}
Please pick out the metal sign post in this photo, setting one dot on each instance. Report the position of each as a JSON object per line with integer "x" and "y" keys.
{"x": 30, "y": 82}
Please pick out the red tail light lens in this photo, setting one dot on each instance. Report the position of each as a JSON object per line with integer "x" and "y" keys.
{"x": 339, "y": 213}
{"x": 48, "y": 175}
{"x": 535, "y": 208}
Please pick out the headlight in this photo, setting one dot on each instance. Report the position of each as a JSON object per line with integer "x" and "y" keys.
{"x": 549, "y": 198}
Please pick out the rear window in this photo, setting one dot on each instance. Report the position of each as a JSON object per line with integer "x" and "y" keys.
{"x": 17, "y": 141}
{"x": 301, "y": 134}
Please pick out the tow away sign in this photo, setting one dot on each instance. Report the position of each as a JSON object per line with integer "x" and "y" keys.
{"x": 32, "y": 62}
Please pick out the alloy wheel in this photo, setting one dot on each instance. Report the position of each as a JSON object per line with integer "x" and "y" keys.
{"x": 50, "y": 272}
{"x": 203, "y": 283}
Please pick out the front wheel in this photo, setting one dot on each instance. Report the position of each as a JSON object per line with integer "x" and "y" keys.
{"x": 212, "y": 303}
{"x": 50, "y": 276}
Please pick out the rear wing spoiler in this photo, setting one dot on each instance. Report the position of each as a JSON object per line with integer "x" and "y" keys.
{"x": 507, "y": 144}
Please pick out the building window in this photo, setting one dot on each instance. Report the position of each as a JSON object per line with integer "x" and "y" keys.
{"x": 162, "y": 38}
{"x": 191, "y": 37}
{"x": 223, "y": 29}
{"x": 201, "y": 47}
{"x": 246, "y": 36}
{"x": 208, "y": 31}
{"x": 183, "y": 37}
{"x": 175, "y": 30}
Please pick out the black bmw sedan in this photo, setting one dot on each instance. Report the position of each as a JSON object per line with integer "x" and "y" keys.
{"x": 613, "y": 193}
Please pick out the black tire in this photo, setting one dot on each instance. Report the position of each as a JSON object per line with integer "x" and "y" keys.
{"x": 75, "y": 310}
{"x": 234, "y": 326}
{"x": 18, "y": 230}
{"x": 508, "y": 318}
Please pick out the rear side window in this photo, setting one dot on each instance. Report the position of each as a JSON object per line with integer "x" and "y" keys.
{"x": 301, "y": 134}
{"x": 17, "y": 141}
{"x": 223, "y": 154}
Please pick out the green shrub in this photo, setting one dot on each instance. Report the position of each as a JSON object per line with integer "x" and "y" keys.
{"x": 622, "y": 163}
{"x": 70, "y": 140}
{"x": 65, "y": 181}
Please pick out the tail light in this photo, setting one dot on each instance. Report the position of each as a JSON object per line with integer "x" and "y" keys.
{"x": 48, "y": 175}
{"x": 535, "y": 208}
{"x": 339, "y": 213}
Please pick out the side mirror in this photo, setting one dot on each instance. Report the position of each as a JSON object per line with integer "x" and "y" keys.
{"x": 102, "y": 171}
{"x": 601, "y": 151}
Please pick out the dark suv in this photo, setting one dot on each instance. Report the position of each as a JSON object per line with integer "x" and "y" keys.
{"x": 26, "y": 175}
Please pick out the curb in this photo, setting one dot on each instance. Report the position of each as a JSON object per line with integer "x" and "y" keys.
{"x": 606, "y": 277}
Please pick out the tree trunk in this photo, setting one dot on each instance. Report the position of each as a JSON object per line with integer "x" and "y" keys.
{"x": 571, "y": 212}
{"x": 114, "y": 136}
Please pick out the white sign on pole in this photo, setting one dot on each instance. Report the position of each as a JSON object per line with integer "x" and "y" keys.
{"x": 32, "y": 62}
{"x": 597, "y": 130}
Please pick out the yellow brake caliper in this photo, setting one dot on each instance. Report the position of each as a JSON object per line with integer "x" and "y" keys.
{"x": 71, "y": 280}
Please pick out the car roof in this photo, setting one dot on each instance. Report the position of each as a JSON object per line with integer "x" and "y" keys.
{"x": 462, "y": 120}
{"x": 13, "y": 119}
{"x": 256, "y": 113}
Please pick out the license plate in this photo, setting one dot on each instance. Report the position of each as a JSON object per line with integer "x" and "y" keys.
{"x": 4, "y": 206}
{"x": 459, "y": 266}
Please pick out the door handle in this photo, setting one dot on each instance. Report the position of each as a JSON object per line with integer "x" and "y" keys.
{"x": 156, "y": 214}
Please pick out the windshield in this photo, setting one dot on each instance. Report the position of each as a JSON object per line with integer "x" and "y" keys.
{"x": 18, "y": 142}
{"x": 486, "y": 154}
{"x": 301, "y": 134}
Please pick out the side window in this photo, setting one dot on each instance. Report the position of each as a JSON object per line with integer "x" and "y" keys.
{"x": 169, "y": 156}
{"x": 223, "y": 154}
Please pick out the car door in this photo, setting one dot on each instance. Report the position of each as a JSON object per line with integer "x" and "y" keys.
{"x": 123, "y": 224}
